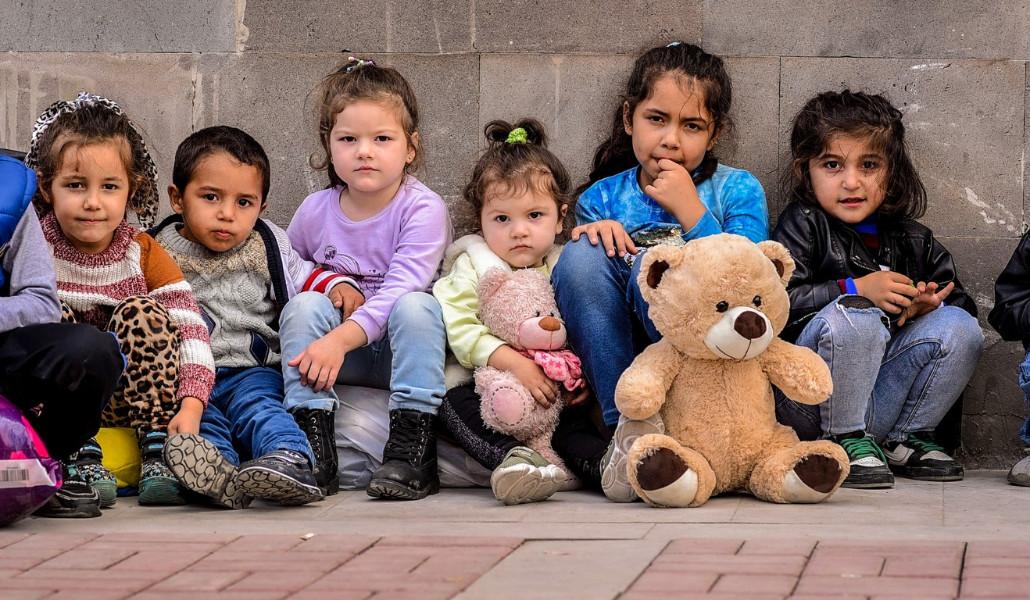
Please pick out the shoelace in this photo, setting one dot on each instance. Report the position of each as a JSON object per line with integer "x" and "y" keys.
{"x": 924, "y": 445}
{"x": 407, "y": 437}
{"x": 862, "y": 447}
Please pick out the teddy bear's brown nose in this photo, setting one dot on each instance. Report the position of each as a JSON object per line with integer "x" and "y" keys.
{"x": 550, "y": 324}
{"x": 750, "y": 325}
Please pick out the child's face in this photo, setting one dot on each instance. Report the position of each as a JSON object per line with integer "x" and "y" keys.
{"x": 89, "y": 194}
{"x": 849, "y": 178}
{"x": 672, "y": 123}
{"x": 519, "y": 226}
{"x": 221, "y": 202}
{"x": 369, "y": 148}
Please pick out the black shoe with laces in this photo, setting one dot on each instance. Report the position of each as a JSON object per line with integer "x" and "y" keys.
{"x": 409, "y": 470}
{"x": 75, "y": 499}
{"x": 281, "y": 476}
{"x": 868, "y": 464}
{"x": 320, "y": 427}
{"x": 921, "y": 457}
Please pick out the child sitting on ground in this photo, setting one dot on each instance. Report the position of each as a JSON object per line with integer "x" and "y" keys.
{"x": 93, "y": 165}
{"x": 243, "y": 271}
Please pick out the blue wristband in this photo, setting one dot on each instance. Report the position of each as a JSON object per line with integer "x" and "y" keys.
{"x": 849, "y": 285}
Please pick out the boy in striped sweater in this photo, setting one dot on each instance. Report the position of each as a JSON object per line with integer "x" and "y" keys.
{"x": 93, "y": 165}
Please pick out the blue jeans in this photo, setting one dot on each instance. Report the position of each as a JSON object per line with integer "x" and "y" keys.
{"x": 245, "y": 417}
{"x": 606, "y": 317}
{"x": 1024, "y": 384}
{"x": 887, "y": 385}
{"x": 408, "y": 361}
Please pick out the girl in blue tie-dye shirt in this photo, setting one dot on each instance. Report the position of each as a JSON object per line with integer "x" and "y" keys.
{"x": 654, "y": 180}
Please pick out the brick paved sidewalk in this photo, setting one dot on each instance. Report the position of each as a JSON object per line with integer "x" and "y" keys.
{"x": 189, "y": 566}
{"x": 920, "y": 540}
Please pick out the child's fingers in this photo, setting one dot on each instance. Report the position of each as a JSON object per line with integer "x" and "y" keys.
{"x": 296, "y": 359}
{"x": 540, "y": 397}
{"x": 631, "y": 246}
{"x": 592, "y": 236}
{"x": 608, "y": 238}
{"x": 668, "y": 165}
{"x": 902, "y": 289}
{"x": 945, "y": 291}
{"x": 580, "y": 397}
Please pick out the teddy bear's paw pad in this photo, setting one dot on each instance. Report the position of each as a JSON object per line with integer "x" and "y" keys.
{"x": 812, "y": 479}
{"x": 666, "y": 480}
{"x": 509, "y": 408}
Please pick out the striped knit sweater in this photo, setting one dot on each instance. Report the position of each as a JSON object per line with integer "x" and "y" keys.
{"x": 134, "y": 265}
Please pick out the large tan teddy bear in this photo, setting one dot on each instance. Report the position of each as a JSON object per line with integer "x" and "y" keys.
{"x": 719, "y": 303}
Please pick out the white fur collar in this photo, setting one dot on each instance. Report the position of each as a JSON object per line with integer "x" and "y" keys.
{"x": 483, "y": 259}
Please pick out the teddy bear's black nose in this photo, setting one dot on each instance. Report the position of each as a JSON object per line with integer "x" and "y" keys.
{"x": 750, "y": 325}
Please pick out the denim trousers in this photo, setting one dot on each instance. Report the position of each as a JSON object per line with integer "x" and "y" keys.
{"x": 245, "y": 417}
{"x": 1024, "y": 384}
{"x": 605, "y": 315}
{"x": 408, "y": 361}
{"x": 887, "y": 385}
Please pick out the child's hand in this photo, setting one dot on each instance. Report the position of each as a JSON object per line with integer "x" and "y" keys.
{"x": 611, "y": 233}
{"x": 674, "y": 189}
{"x": 544, "y": 390}
{"x": 187, "y": 420}
{"x": 580, "y": 397}
{"x": 929, "y": 299}
{"x": 346, "y": 298}
{"x": 891, "y": 292}
{"x": 320, "y": 362}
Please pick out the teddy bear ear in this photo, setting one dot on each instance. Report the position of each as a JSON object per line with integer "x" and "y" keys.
{"x": 491, "y": 282}
{"x": 780, "y": 257}
{"x": 657, "y": 261}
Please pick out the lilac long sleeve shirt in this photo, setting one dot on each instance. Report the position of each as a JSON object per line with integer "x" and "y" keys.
{"x": 390, "y": 254}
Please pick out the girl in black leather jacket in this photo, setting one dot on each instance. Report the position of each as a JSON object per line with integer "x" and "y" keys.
{"x": 873, "y": 293}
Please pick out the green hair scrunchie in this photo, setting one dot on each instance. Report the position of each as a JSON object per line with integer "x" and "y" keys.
{"x": 517, "y": 136}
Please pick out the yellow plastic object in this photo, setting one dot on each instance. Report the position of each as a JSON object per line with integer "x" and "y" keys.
{"x": 121, "y": 454}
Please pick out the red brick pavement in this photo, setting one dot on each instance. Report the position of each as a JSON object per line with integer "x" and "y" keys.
{"x": 256, "y": 567}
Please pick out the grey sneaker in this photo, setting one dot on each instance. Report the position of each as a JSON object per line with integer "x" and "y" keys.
{"x": 201, "y": 468}
{"x": 1020, "y": 472}
{"x": 614, "y": 478}
{"x": 525, "y": 476}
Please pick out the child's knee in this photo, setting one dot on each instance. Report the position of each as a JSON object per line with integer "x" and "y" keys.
{"x": 580, "y": 262}
{"x": 855, "y": 319}
{"x": 419, "y": 309}
{"x": 309, "y": 305}
{"x": 962, "y": 332}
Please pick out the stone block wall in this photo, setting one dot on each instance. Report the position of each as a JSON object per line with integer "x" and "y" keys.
{"x": 957, "y": 69}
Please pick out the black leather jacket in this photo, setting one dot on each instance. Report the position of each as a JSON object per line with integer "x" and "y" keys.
{"x": 825, "y": 250}
{"x": 1011, "y": 312}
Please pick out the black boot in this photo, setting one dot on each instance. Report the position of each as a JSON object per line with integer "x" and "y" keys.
{"x": 320, "y": 427}
{"x": 409, "y": 469}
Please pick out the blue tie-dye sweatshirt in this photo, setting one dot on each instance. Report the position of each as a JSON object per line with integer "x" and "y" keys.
{"x": 734, "y": 200}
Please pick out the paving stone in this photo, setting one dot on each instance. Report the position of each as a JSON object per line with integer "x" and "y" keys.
{"x": 778, "y": 547}
{"x": 996, "y": 572}
{"x": 9, "y": 537}
{"x": 225, "y": 560}
{"x": 880, "y": 28}
{"x": 342, "y": 544}
{"x": 701, "y": 546}
{"x": 149, "y": 560}
{"x": 200, "y": 581}
{"x": 286, "y": 581}
{"x": 657, "y": 582}
{"x": 201, "y": 595}
{"x": 118, "y": 26}
{"x": 441, "y": 542}
{"x": 894, "y": 548}
{"x": 254, "y": 89}
{"x": 913, "y": 586}
{"x": 751, "y": 564}
{"x": 964, "y": 122}
{"x": 755, "y": 584}
{"x": 1000, "y": 549}
{"x": 923, "y": 566}
{"x": 844, "y": 565}
{"x": 432, "y": 26}
{"x": 535, "y": 25}
{"x": 86, "y": 559}
{"x": 992, "y": 586}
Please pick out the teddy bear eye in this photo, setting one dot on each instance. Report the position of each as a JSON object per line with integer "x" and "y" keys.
{"x": 757, "y": 300}
{"x": 722, "y": 306}
{"x": 538, "y": 313}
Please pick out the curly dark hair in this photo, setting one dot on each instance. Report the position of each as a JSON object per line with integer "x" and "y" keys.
{"x": 615, "y": 154}
{"x": 860, "y": 115}
{"x": 362, "y": 79}
{"x": 518, "y": 166}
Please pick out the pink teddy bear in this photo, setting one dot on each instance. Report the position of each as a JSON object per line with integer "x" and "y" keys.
{"x": 519, "y": 308}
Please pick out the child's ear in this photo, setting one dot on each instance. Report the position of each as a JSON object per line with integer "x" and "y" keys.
{"x": 44, "y": 190}
{"x": 175, "y": 199}
{"x": 413, "y": 147}
{"x": 627, "y": 118}
{"x": 563, "y": 211}
{"x": 714, "y": 138}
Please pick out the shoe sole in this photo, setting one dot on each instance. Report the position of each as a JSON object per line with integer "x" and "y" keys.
{"x": 927, "y": 474}
{"x": 160, "y": 491}
{"x": 868, "y": 485}
{"x": 614, "y": 476}
{"x": 272, "y": 486}
{"x": 108, "y": 491}
{"x": 521, "y": 484}
{"x": 200, "y": 467}
{"x": 387, "y": 489}
{"x": 86, "y": 511}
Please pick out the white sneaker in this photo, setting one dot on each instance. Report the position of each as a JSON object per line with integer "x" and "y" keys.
{"x": 1020, "y": 472}
{"x": 525, "y": 476}
{"x": 614, "y": 478}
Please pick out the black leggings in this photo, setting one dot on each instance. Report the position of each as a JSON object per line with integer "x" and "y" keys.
{"x": 576, "y": 440}
{"x": 61, "y": 376}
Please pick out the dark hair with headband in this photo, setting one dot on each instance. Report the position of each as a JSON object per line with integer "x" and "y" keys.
{"x": 860, "y": 115}
{"x": 363, "y": 79}
{"x": 516, "y": 160}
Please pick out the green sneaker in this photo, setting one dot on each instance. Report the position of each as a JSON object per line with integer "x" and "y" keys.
{"x": 89, "y": 462}
{"x": 868, "y": 464}
{"x": 921, "y": 457}
{"x": 157, "y": 484}
{"x": 525, "y": 476}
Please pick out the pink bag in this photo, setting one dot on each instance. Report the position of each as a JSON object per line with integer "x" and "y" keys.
{"x": 28, "y": 476}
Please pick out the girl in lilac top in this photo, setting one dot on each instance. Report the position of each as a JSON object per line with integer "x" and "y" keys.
{"x": 387, "y": 232}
